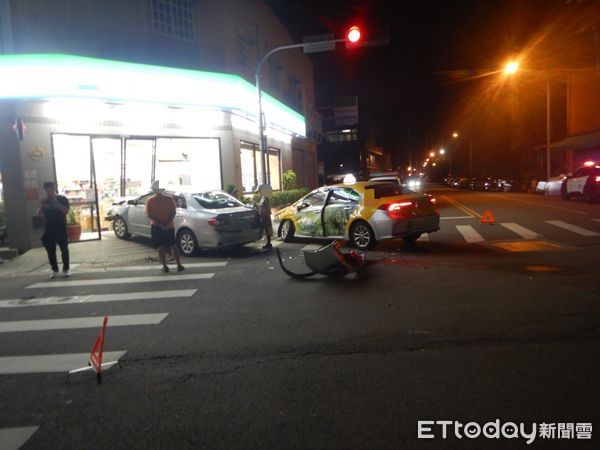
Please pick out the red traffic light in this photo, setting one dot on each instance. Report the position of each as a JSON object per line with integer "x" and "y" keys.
{"x": 353, "y": 35}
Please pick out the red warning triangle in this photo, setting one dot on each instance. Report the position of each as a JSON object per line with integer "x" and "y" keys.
{"x": 488, "y": 217}
{"x": 98, "y": 349}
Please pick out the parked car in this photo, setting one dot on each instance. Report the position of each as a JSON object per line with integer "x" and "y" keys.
{"x": 211, "y": 219}
{"x": 551, "y": 187}
{"x": 482, "y": 184}
{"x": 502, "y": 185}
{"x": 584, "y": 183}
{"x": 395, "y": 180}
{"x": 363, "y": 212}
{"x": 464, "y": 183}
{"x": 120, "y": 201}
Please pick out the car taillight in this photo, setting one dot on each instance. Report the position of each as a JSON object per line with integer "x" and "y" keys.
{"x": 216, "y": 222}
{"x": 597, "y": 179}
{"x": 397, "y": 210}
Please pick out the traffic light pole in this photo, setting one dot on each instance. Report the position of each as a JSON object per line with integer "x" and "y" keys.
{"x": 266, "y": 174}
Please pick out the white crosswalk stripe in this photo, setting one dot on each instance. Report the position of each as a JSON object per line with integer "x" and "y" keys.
{"x": 127, "y": 280}
{"x": 80, "y": 322}
{"x": 573, "y": 228}
{"x": 154, "y": 268}
{"x": 97, "y": 298}
{"x": 12, "y": 365}
{"x": 424, "y": 237}
{"x": 15, "y": 438}
{"x": 469, "y": 233}
{"x": 525, "y": 233}
{"x": 62, "y": 363}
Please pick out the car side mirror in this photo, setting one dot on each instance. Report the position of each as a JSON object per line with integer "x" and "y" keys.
{"x": 301, "y": 206}
{"x": 131, "y": 202}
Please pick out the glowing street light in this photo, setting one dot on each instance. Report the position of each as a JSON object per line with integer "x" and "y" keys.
{"x": 455, "y": 135}
{"x": 442, "y": 151}
{"x": 511, "y": 68}
{"x": 432, "y": 154}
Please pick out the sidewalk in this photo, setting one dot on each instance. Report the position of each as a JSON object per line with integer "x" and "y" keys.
{"x": 108, "y": 251}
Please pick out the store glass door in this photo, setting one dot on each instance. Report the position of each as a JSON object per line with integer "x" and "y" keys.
{"x": 75, "y": 180}
{"x": 106, "y": 154}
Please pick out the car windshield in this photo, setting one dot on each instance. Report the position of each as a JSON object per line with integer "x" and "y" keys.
{"x": 216, "y": 200}
{"x": 388, "y": 190}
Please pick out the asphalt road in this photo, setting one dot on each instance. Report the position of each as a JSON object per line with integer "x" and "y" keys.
{"x": 474, "y": 323}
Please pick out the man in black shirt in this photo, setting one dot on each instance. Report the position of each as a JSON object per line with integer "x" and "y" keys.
{"x": 54, "y": 208}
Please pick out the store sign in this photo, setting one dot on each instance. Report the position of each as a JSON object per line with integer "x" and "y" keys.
{"x": 77, "y": 77}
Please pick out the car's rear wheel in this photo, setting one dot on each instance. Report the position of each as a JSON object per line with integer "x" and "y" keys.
{"x": 411, "y": 238}
{"x": 286, "y": 231}
{"x": 362, "y": 236}
{"x": 187, "y": 243}
{"x": 120, "y": 228}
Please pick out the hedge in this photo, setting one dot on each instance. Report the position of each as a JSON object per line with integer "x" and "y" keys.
{"x": 281, "y": 199}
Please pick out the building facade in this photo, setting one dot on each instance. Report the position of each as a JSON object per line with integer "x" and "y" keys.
{"x": 182, "y": 109}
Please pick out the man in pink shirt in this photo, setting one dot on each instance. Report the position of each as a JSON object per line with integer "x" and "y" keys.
{"x": 161, "y": 209}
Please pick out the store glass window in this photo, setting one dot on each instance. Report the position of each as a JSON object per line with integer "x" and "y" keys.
{"x": 250, "y": 162}
{"x": 188, "y": 162}
{"x": 107, "y": 165}
{"x": 138, "y": 166}
{"x": 275, "y": 168}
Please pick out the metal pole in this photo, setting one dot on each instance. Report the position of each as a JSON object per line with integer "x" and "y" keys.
{"x": 470, "y": 158}
{"x": 261, "y": 119}
{"x": 547, "y": 128}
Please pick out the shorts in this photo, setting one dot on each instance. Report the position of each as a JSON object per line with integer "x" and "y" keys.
{"x": 162, "y": 237}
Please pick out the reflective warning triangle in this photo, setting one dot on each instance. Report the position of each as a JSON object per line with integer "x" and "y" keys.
{"x": 488, "y": 217}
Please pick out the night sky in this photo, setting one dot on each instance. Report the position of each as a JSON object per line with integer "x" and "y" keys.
{"x": 427, "y": 82}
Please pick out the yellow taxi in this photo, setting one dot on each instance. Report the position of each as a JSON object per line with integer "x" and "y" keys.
{"x": 363, "y": 212}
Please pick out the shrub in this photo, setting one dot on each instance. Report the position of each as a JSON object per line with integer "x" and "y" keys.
{"x": 289, "y": 180}
{"x": 281, "y": 199}
{"x": 232, "y": 190}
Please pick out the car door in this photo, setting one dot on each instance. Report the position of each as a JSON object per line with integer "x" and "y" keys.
{"x": 308, "y": 214}
{"x": 138, "y": 222}
{"x": 340, "y": 205}
{"x": 576, "y": 183}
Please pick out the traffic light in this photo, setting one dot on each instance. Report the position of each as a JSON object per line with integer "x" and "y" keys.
{"x": 353, "y": 37}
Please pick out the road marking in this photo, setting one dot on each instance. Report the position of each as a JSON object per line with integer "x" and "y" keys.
{"x": 528, "y": 246}
{"x": 541, "y": 204}
{"x": 424, "y": 237}
{"x": 124, "y": 280}
{"x": 15, "y": 438}
{"x": 139, "y": 268}
{"x": 11, "y": 365}
{"x": 80, "y": 322}
{"x": 521, "y": 231}
{"x": 573, "y": 228}
{"x": 456, "y": 217}
{"x": 462, "y": 207}
{"x": 596, "y": 220}
{"x": 469, "y": 233}
{"x": 96, "y": 298}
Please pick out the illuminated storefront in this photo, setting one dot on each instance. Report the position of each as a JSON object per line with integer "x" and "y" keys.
{"x": 104, "y": 130}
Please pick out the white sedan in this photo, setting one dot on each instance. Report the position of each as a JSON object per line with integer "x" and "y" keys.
{"x": 212, "y": 219}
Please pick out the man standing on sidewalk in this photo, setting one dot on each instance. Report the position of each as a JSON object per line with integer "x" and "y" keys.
{"x": 54, "y": 208}
{"x": 161, "y": 210}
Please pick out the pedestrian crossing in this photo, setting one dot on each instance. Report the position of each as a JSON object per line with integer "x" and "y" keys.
{"x": 163, "y": 288}
{"x": 555, "y": 230}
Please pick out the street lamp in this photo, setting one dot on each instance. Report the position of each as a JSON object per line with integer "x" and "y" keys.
{"x": 512, "y": 68}
{"x": 352, "y": 39}
{"x": 455, "y": 135}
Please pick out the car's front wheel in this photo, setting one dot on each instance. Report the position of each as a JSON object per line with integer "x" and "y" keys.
{"x": 362, "y": 236}
{"x": 286, "y": 231}
{"x": 588, "y": 197}
{"x": 187, "y": 243}
{"x": 120, "y": 228}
